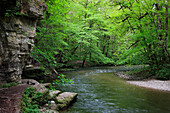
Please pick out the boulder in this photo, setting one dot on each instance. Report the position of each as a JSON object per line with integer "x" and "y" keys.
{"x": 63, "y": 100}
{"x": 39, "y": 87}
{"x": 30, "y": 82}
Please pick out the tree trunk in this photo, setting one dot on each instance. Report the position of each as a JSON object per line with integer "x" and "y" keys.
{"x": 167, "y": 33}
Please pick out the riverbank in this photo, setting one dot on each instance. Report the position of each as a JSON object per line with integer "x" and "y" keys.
{"x": 144, "y": 79}
{"x": 153, "y": 84}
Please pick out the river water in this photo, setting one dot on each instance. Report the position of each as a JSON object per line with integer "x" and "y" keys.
{"x": 100, "y": 91}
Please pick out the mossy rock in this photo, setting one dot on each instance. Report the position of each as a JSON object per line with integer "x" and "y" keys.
{"x": 63, "y": 100}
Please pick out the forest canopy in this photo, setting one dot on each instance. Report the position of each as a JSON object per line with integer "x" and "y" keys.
{"x": 102, "y": 32}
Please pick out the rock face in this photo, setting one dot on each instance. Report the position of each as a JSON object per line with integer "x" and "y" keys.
{"x": 16, "y": 35}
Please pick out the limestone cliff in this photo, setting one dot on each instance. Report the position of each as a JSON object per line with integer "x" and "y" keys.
{"x": 17, "y": 31}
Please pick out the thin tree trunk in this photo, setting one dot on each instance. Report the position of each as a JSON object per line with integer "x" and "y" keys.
{"x": 167, "y": 32}
{"x": 84, "y": 60}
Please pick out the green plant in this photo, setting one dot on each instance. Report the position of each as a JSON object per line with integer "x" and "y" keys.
{"x": 62, "y": 80}
{"x": 6, "y": 85}
{"x": 12, "y": 12}
{"x": 32, "y": 100}
{"x": 163, "y": 72}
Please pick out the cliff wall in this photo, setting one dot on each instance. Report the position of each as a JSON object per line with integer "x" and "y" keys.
{"x": 18, "y": 19}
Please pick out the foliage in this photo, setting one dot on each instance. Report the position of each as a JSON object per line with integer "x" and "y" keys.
{"x": 139, "y": 74}
{"x": 14, "y": 11}
{"x": 146, "y": 34}
{"x": 7, "y": 85}
{"x": 49, "y": 40}
{"x": 66, "y": 34}
{"x": 32, "y": 100}
{"x": 163, "y": 72}
{"x": 104, "y": 32}
{"x": 61, "y": 79}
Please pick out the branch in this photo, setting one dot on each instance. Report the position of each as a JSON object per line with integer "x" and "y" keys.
{"x": 134, "y": 44}
{"x": 125, "y": 19}
{"x": 143, "y": 16}
{"x": 54, "y": 70}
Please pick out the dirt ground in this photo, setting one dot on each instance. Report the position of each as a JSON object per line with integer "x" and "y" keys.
{"x": 10, "y": 99}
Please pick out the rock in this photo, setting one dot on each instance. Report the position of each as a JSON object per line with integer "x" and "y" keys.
{"x": 46, "y": 84}
{"x": 16, "y": 35}
{"x": 45, "y": 110}
{"x": 40, "y": 88}
{"x": 28, "y": 66}
{"x": 33, "y": 73}
{"x": 63, "y": 100}
{"x": 53, "y": 94}
{"x": 30, "y": 82}
{"x": 53, "y": 105}
{"x": 123, "y": 75}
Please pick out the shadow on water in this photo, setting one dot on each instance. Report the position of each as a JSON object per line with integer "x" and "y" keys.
{"x": 100, "y": 91}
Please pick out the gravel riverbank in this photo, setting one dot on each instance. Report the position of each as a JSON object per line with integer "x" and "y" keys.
{"x": 143, "y": 81}
{"x": 154, "y": 84}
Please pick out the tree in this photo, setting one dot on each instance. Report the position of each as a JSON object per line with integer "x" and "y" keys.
{"x": 146, "y": 24}
{"x": 49, "y": 42}
{"x": 103, "y": 31}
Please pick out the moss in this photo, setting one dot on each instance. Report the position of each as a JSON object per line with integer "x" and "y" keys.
{"x": 60, "y": 101}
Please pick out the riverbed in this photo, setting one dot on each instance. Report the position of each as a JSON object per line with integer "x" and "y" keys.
{"x": 100, "y": 91}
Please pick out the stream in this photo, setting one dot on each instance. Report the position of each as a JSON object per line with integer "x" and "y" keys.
{"x": 100, "y": 91}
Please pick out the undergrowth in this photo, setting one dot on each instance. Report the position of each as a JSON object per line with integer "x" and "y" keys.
{"x": 32, "y": 100}
{"x": 7, "y": 85}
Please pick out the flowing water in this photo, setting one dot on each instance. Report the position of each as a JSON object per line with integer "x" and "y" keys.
{"x": 100, "y": 91}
